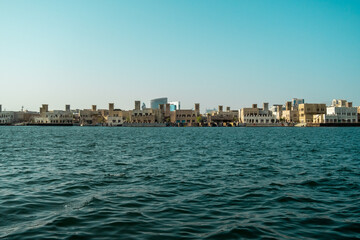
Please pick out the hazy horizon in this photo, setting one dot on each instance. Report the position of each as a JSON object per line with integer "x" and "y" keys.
{"x": 230, "y": 53}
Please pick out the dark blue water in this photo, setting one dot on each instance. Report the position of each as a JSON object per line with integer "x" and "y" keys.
{"x": 179, "y": 183}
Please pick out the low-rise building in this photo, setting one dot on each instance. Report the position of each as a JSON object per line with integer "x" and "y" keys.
{"x": 289, "y": 115}
{"x": 187, "y": 117}
{"x": 146, "y": 115}
{"x": 308, "y": 110}
{"x": 91, "y": 117}
{"x": 117, "y": 117}
{"x": 341, "y": 111}
{"x": 255, "y": 115}
{"x": 55, "y": 117}
{"x": 221, "y": 117}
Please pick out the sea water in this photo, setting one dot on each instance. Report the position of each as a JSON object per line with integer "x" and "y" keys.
{"x": 179, "y": 183}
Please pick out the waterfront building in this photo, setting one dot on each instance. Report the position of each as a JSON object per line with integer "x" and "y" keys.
{"x": 341, "y": 111}
{"x": 147, "y": 115}
{"x": 186, "y": 117}
{"x": 15, "y": 117}
{"x": 289, "y": 114}
{"x": 277, "y": 110}
{"x": 91, "y": 117}
{"x": 223, "y": 118}
{"x": 308, "y": 110}
{"x": 117, "y": 117}
{"x": 255, "y": 115}
{"x": 55, "y": 117}
{"x": 154, "y": 103}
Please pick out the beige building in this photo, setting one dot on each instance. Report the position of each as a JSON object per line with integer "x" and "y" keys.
{"x": 91, "y": 117}
{"x": 55, "y": 117}
{"x": 221, "y": 117}
{"x": 14, "y": 117}
{"x": 146, "y": 115}
{"x": 187, "y": 117}
{"x": 116, "y": 117}
{"x": 308, "y": 110}
{"x": 255, "y": 115}
{"x": 290, "y": 114}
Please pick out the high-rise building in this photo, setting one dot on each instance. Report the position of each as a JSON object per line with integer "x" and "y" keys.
{"x": 174, "y": 105}
{"x": 154, "y": 103}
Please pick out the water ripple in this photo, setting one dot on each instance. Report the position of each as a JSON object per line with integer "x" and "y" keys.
{"x": 179, "y": 183}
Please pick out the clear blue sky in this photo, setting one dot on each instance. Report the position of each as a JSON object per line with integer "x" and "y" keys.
{"x": 232, "y": 53}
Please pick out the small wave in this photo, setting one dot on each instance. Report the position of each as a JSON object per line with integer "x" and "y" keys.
{"x": 309, "y": 183}
{"x": 115, "y": 175}
{"x": 294, "y": 199}
{"x": 238, "y": 232}
{"x": 81, "y": 204}
{"x": 318, "y": 221}
{"x": 65, "y": 222}
{"x": 276, "y": 184}
{"x": 351, "y": 229}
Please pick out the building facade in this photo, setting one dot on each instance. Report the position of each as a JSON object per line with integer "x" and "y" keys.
{"x": 91, "y": 117}
{"x": 308, "y": 110}
{"x": 55, "y": 117}
{"x": 255, "y": 115}
{"x": 186, "y": 117}
{"x": 341, "y": 111}
{"x": 289, "y": 115}
{"x": 117, "y": 117}
{"x": 221, "y": 118}
{"x": 146, "y": 115}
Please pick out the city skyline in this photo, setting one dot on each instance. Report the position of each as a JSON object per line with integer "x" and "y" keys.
{"x": 233, "y": 53}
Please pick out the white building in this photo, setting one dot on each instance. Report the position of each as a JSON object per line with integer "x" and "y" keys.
{"x": 341, "y": 115}
{"x": 7, "y": 117}
{"x": 12, "y": 117}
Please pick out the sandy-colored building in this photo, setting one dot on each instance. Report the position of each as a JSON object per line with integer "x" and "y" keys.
{"x": 187, "y": 117}
{"x": 116, "y": 117}
{"x": 55, "y": 117}
{"x": 290, "y": 114}
{"x": 255, "y": 115}
{"x": 308, "y": 110}
{"x": 146, "y": 115}
{"x": 221, "y": 117}
{"x": 91, "y": 117}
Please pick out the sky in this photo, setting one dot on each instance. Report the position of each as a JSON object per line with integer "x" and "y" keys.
{"x": 231, "y": 53}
